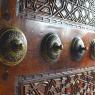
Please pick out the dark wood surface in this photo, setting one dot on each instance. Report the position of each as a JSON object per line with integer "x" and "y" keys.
{"x": 33, "y": 63}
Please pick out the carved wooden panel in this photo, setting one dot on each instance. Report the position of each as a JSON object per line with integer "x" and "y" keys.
{"x": 81, "y": 11}
{"x": 73, "y": 83}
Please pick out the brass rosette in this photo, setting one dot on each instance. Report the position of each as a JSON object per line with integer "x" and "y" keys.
{"x": 13, "y": 46}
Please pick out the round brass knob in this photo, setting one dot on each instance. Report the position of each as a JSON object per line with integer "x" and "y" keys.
{"x": 80, "y": 49}
{"x": 13, "y": 46}
{"x": 77, "y": 49}
{"x": 51, "y": 47}
{"x": 16, "y": 45}
{"x": 57, "y": 47}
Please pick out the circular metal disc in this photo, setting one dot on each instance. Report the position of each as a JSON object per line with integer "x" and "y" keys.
{"x": 13, "y": 46}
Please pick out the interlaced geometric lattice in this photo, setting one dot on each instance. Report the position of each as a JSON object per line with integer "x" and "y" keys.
{"x": 81, "y": 11}
{"x": 82, "y": 83}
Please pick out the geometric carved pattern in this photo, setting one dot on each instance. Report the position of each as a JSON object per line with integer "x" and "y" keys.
{"x": 81, "y": 11}
{"x": 79, "y": 83}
